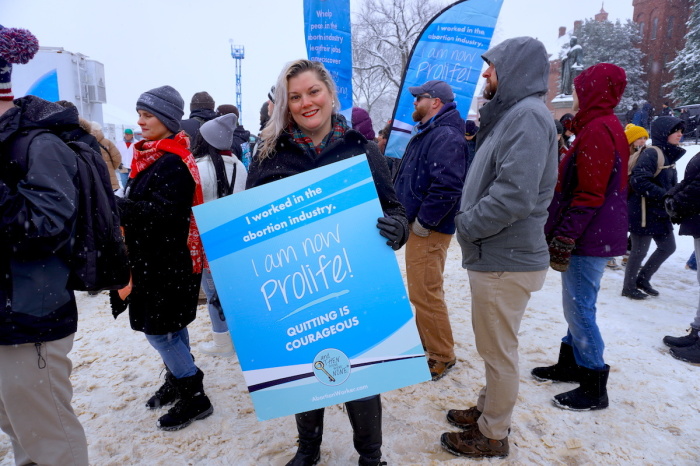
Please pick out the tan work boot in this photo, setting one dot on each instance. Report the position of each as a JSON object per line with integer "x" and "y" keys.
{"x": 471, "y": 443}
{"x": 438, "y": 369}
{"x": 463, "y": 418}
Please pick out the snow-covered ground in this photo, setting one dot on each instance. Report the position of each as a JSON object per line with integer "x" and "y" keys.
{"x": 653, "y": 418}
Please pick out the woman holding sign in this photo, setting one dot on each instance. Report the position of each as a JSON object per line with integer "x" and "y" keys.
{"x": 165, "y": 252}
{"x": 306, "y": 132}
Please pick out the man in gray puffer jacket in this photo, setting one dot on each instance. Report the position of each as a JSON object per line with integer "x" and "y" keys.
{"x": 500, "y": 227}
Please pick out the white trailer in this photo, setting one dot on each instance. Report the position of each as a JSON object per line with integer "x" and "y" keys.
{"x": 57, "y": 74}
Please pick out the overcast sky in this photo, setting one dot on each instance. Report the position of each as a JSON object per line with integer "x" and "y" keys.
{"x": 147, "y": 43}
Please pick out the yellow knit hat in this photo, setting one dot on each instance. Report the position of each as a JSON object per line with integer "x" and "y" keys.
{"x": 634, "y": 132}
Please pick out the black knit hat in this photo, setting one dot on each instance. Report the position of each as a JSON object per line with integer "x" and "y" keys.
{"x": 560, "y": 127}
{"x": 166, "y": 104}
{"x": 202, "y": 100}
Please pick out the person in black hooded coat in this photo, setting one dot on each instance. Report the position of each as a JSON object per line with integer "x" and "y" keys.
{"x": 647, "y": 217}
{"x": 38, "y": 208}
{"x": 683, "y": 203}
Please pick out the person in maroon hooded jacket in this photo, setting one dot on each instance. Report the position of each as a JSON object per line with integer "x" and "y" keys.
{"x": 587, "y": 226}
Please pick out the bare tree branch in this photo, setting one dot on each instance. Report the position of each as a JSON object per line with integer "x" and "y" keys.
{"x": 384, "y": 32}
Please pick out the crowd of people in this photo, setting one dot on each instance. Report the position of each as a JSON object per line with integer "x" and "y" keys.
{"x": 521, "y": 191}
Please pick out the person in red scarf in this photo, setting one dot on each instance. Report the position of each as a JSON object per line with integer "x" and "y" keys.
{"x": 165, "y": 252}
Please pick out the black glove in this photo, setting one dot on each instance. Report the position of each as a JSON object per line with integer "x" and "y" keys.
{"x": 393, "y": 230}
{"x": 560, "y": 249}
{"x": 118, "y": 304}
{"x": 670, "y": 207}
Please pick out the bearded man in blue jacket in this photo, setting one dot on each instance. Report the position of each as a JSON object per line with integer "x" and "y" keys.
{"x": 429, "y": 185}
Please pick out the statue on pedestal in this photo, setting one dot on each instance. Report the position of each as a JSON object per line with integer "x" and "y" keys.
{"x": 571, "y": 66}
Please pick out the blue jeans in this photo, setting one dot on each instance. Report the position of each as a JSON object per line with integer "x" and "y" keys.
{"x": 216, "y": 313}
{"x": 692, "y": 262}
{"x": 174, "y": 348}
{"x": 124, "y": 178}
{"x": 580, "y": 285}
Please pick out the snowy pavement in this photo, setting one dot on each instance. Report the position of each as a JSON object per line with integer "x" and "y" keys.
{"x": 653, "y": 418}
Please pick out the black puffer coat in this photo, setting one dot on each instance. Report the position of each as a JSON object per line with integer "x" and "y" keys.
{"x": 686, "y": 199}
{"x": 155, "y": 215}
{"x": 653, "y": 189}
{"x": 290, "y": 159}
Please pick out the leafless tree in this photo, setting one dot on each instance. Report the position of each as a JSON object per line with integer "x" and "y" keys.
{"x": 384, "y": 32}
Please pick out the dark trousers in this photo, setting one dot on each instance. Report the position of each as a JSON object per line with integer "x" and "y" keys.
{"x": 665, "y": 246}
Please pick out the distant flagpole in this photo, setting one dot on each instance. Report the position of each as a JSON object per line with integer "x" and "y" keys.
{"x": 328, "y": 35}
{"x": 449, "y": 49}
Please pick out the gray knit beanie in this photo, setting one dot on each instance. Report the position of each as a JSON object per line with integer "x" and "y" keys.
{"x": 219, "y": 131}
{"x": 166, "y": 104}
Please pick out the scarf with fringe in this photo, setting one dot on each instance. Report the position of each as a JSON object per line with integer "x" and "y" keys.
{"x": 146, "y": 153}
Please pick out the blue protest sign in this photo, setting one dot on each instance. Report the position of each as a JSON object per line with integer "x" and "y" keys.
{"x": 449, "y": 49}
{"x": 328, "y": 40}
{"x": 312, "y": 294}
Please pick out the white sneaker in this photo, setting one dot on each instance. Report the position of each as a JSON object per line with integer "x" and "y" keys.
{"x": 220, "y": 346}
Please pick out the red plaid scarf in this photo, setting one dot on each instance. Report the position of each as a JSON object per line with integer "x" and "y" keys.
{"x": 338, "y": 127}
{"x": 147, "y": 152}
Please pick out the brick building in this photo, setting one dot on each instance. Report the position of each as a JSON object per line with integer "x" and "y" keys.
{"x": 663, "y": 27}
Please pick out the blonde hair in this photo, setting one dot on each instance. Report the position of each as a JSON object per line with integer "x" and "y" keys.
{"x": 281, "y": 118}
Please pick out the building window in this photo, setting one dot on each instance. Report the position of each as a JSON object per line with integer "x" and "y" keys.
{"x": 654, "y": 28}
{"x": 669, "y": 26}
{"x": 641, "y": 30}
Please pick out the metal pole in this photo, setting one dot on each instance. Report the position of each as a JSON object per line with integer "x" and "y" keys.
{"x": 238, "y": 54}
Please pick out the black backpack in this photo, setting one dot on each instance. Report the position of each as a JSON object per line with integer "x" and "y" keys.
{"x": 98, "y": 258}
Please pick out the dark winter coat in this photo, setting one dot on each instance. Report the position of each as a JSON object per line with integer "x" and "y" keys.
{"x": 156, "y": 215}
{"x": 431, "y": 175}
{"x": 471, "y": 151}
{"x": 644, "y": 183}
{"x": 686, "y": 199}
{"x": 37, "y": 212}
{"x": 589, "y": 204}
{"x": 82, "y": 134}
{"x": 639, "y": 119}
{"x": 289, "y": 159}
{"x": 196, "y": 120}
{"x": 647, "y": 115}
{"x": 240, "y": 136}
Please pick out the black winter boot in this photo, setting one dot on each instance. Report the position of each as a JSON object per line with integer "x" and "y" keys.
{"x": 193, "y": 405}
{"x": 166, "y": 394}
{"x": 689, "y": 354}
{"x": 591, "y": 395}
{"x": 565, "y": 370}
{"x": 684, "y": 341}
{"x": 644, "y": 285}
{"x": 310, "y": 428}
{"x": 634, "y": 294}
{"x": 366, "y": 421}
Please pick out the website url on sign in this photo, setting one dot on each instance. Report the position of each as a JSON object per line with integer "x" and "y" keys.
{"x": 339, "y": 393}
